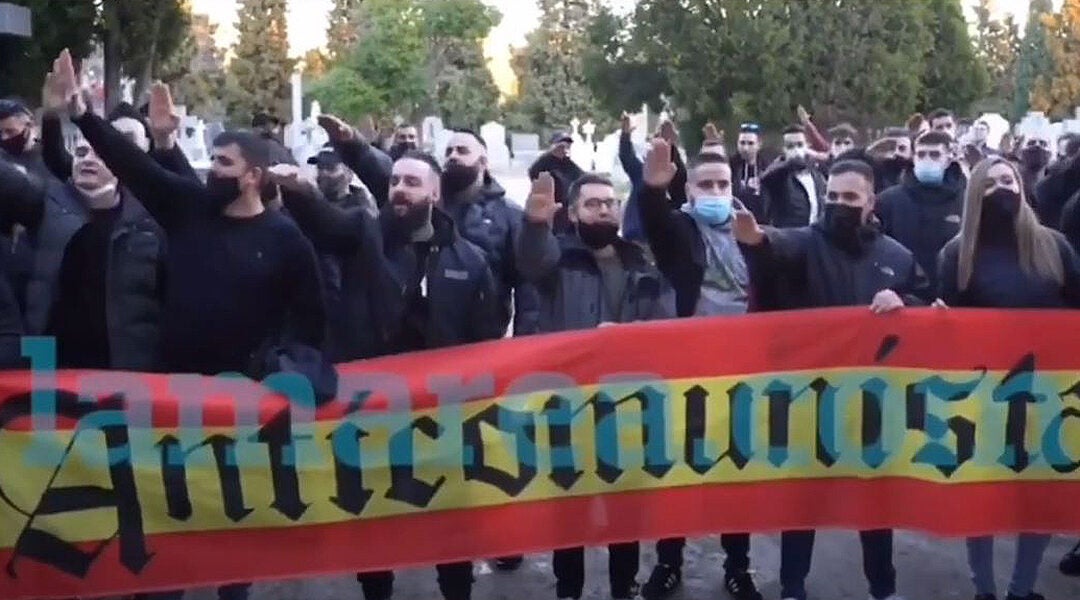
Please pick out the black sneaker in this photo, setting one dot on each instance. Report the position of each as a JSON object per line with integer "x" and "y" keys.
{"x": 1070, "y": 563}
{"x": 509, "y": 563}
{"x": 1031, "y": 596}
{"x": 627, "y": 594}
{"x": 662, "y": 583}
{"x": 741, "y": 586}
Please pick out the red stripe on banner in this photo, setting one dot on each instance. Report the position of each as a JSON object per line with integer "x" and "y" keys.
{"x": 955, "y": 340}
{"x": 198, "y": 560}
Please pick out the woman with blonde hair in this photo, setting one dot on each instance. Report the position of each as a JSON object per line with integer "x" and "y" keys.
{"x": 1003, "y": 258}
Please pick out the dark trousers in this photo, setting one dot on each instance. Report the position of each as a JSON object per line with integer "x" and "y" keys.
{"x": 736, "y": 550}
{"x": 236, "y": 591}
{"x": 455, "y": 582}
{"x": 569, "y": 567}
{"x": 797, "y": 550}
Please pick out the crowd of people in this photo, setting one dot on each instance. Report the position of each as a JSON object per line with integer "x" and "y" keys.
{"x": 124, "y": 254}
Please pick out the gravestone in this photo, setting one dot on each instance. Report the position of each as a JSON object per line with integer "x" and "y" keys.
{"x": 607, "y": 157}
{"x": 430, "y": 128}
{"x": 582, "y": 151}
{"x": 494, "y": 135}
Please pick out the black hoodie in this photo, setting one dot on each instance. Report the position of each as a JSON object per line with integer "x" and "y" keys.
{"x": 924, "y": 217}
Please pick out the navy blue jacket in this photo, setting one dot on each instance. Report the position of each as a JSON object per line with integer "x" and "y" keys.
{"x": 924, "y": 218}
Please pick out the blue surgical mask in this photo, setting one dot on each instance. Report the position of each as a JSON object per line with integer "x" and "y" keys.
{"x": 713, "y": 210}
{"x": 929, "y": 172}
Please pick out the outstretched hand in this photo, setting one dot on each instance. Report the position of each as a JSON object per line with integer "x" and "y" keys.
{"x": 659, "y": 170}
{"x": 337, "y": 129}
{"x": 540, "y": 208}
{"x": 745, "y": 226}
{"x": 162, "y": 117}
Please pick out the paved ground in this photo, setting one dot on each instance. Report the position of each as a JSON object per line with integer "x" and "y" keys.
{"x": 929, "y": 569}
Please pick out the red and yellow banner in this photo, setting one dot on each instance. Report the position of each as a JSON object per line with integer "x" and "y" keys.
{"x": 950, "y": 422}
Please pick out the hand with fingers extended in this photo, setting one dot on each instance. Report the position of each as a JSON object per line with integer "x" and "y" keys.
{"x": 162, "y": 118}
{"x": 712, "y": 134}
{"x": 63, "y": 87}
{"x": 745, "y": 226}
{"x": 659, "y": 170}
{"x": 288, "y": 177}
{"x": 337, "y": 129}
{"x": 541, "y": 206}
{"x": 804, "y": 117}
{"x": 669, "y": 133}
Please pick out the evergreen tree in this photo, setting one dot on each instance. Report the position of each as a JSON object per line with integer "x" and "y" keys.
{"x": 57, "y": 24}
{"x": 999, "y": 50}
{"x": 197, "y": 74}
{"x": 461, "y": 88}
{"x": 552, "y": 87}
{"x": 261, "y": 68}
{"x": 342, "y": 31}
{"x": 1035, "y": 58}
{"x": 1057, "y": 93}
{"x": 953, "y": 77}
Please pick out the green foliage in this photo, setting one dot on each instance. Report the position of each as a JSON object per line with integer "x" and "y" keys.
{"x": 148, "y": 34}
{"x": 999, "y": 49}
{"x": 57, "y": 24}
{"x": 1035, "y": 58}
{"x": 196, "y": 73}
{"x": 953, "y": 77}
{"x": 413, "y": 56}
{"x": 618, "y": 73}
{"x": 341, "y": 30}
{"x": 261, "y": 69}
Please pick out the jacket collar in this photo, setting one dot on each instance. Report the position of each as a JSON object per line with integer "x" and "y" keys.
{"x": 631, "y": 256}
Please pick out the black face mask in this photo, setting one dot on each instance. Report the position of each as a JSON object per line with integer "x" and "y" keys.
{"x": 399, "y": 150}
{"x": 598, "y": 235}
{"x": 222, "y": 191}
{"x": 897, "y": 165}
{"x": 999, "y": 211}
{"x": 15, "y": 146}
{"x": 1035, "y": 158}
{"x": 457, "y": 177}
{"x": 843, "y": 225}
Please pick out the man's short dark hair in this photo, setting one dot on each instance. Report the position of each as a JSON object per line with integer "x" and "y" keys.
{"x": 858, "y": 167}
{"x": 475, "y": 136}
{"x": 262, "y": 119}
{"x": 940, "y": 113}
{"x": 584, "y": 180}
{"x": 794, "y": 129}
{"x": 423, "y": 157}
{"x": 1072, "y": 143}
{"x": 253, "y": 149}
{"x": 934, "y": 138}
{"x": 897, "y": 132}
{"x": 10, "y": 107}
{"x": 842, "y": 131}
{"x": 706, "y": 158}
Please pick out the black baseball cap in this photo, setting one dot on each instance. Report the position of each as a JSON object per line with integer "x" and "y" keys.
{"x": 326, "y": 158}
{"x": 562, "y": 137}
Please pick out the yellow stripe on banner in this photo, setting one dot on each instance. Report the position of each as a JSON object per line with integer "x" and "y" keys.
{"x": 747, "y": 429}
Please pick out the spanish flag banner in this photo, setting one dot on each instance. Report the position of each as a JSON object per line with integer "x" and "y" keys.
{"x": 950, "y": 422}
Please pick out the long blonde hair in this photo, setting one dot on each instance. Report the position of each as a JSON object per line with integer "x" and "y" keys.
{"x": 1036, "y": 247}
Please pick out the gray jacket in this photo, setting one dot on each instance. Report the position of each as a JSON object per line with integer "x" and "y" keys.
{"x": 135, "y": 283}
{"x": 571, "y": 287}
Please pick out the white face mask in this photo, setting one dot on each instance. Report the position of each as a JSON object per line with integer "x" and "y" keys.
{"x": 98, "y": 195}
{"x": 795, "y": 154}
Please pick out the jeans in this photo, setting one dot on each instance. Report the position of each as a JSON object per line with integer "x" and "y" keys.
{"x": 736, "y": 549}
{"x": 797, "y": 550}
{"x": 236, "y": 591}
{"x": 569, "y": 567}
{"x": 455, "y": 582}
{"x": 1030, "y": 548}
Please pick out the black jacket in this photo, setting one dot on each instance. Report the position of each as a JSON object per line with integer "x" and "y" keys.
{"x": 1070, "y": 221}
{"x": 816, "y": 273}
{"x": 1053, "y": 191}
{"x": 371, "y": 165}
{"x": 565, "y": 172}
{"x": 677, "y": 247}
{"x": 53, "y": 214}
{"x": 785, "y": 201}
{"x": 488, "y": 220}
{"x": 572, "y": 294}
{"x": 997, "y": 280}
{"x": 742, "y": 171}
{"x": 924, "y": 218}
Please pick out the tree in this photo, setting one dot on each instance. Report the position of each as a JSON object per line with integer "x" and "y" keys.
{"x": 1057, "y": 93}
{"x": 953, "y": 76}
{"x": 197, "y": 74}
{"x": 261, "y": 68}
{"x": 552, "y": 85}
{"x": 1035, "y": 59}
{"x": 57, "y": 24}
{"x": 620, "y": 75}
{"x": 138, "y": 36}
{"x": 341, "y": 30}
{"x": 461, "y": 88}
{"x": 999, "y": 50}
{"x": 383, "y": 74}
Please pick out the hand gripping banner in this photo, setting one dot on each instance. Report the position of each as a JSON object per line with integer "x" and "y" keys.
{"x": 950, "y": 422}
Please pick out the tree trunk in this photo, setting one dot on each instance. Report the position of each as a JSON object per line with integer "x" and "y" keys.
{"x": 142, "y": 84}
{"x": 113, "y": 66}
